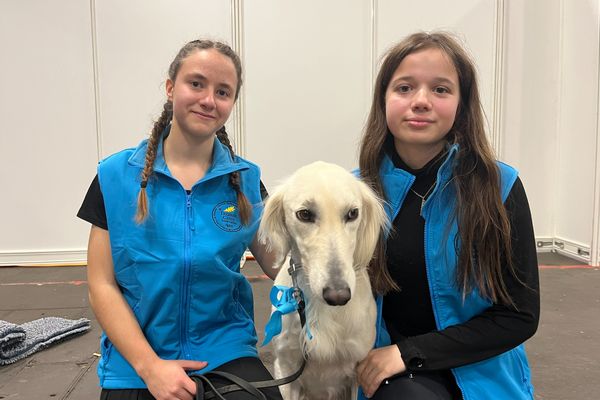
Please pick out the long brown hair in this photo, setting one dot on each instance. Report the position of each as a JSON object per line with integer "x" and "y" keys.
{"x": 244, "y": 207}
{"x": 483, "y": 224}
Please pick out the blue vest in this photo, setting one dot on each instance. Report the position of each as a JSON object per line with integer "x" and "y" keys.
{"x": 179, "y": 271}
{"x": 503, "y": 377}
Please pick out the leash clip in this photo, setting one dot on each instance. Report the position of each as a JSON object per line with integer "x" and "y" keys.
{"x": 297, "y": 293}
{"x": 293, "y": 271}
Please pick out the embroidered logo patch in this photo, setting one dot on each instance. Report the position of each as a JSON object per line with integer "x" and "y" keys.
{"x": 226, "y": 216}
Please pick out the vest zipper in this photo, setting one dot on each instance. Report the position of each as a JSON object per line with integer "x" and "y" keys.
{"x": 186, "y": 276}
{"x": 189, "y": 227}
{"x": 433, "y": 295}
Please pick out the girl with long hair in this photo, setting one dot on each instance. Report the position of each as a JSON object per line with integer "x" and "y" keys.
{"x": 457, "y": 275}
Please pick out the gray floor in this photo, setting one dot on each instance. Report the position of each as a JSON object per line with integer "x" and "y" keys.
{"x": 564, "y": 354}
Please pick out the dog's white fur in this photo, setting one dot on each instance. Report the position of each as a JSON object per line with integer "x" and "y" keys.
{"x": 334, "y": 251}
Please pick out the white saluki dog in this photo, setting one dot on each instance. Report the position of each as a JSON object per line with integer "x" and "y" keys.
{"x": 328, "y": 221}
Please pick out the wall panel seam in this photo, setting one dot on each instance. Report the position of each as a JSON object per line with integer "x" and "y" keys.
{"x": 554, "y": 173}
{"x": 595, "y": 245}
{"x": 237, "y": 35}
{"x": 498, "y": 95}
{"x": 97, "y": 112}
{"x": 373, "y": 44}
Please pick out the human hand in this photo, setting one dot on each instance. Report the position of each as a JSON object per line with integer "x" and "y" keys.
{"x": 167, "y": 379}
{"x": 379, "y": 364}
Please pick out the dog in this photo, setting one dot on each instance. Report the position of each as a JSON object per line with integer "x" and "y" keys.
{"x": 329, "y": 222}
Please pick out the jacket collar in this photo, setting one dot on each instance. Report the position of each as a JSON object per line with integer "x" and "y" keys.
{"x": 397, "y": 182}
{"x": 445, "y": 171}
{"x": 222, "y": 163}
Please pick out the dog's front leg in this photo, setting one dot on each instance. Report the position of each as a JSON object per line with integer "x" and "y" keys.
{"x": 283, "y": 368}
{"x": 288, "y": 356}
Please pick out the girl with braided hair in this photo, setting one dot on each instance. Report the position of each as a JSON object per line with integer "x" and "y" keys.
{"x": 170, "y": 222}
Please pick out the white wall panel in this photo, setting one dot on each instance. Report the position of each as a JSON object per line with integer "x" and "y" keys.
{"x": 307, "y": 83}
{"x": 77, "y": 75}
{"x": 136, "y": 41}
{"x": 577, "y": 121}
{"x": 48, "y": 142}
{"x": 531, "y": 90}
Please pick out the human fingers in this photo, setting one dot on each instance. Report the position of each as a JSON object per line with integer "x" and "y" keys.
{"x": 364, "y": 372}
{"x": 184, "y": 393}
{"x": 168, "y": 380}
{"x": 372, "y": 382}
{"x": 184, "y": 388}
{"x": 189, "y": 385}
{"x": 367, "y": 378}
{"x": 380, "y": 364}
{"x": 190, "y": 365}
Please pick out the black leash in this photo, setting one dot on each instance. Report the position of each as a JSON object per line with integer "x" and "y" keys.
{"x": 239, "y": 384}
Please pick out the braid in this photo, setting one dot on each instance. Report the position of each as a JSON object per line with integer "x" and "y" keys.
{"x": 224, "y": 138}
{"x": 244, "y": 207}
{"x": 157, "y": 130}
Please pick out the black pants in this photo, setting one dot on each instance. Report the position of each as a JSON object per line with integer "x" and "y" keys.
{"x": 421, "y": 386}
{"x": 248, "y": 368}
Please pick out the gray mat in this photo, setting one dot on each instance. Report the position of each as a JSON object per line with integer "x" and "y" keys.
{"x": 20, "y": 341}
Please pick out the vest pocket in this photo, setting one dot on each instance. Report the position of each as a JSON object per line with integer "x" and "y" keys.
{"x": 240, "y": 308}
{"x": 519, "y": 354}
{"x": 106, "y": 348}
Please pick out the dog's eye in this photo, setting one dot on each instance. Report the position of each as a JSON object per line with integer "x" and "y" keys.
{"x": 305, "y": 215}
{"x": 352, "y": 214}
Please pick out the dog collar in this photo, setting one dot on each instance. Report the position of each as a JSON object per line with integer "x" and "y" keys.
{"x": 286, "y": 300}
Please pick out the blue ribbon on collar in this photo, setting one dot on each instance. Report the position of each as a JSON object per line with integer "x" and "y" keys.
{"x": 282, "y": 298}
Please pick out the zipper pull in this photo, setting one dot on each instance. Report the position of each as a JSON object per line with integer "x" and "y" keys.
{"x": 190, "y": 211}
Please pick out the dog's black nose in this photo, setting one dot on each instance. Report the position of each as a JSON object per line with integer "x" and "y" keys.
{"x": 336, "y": 297}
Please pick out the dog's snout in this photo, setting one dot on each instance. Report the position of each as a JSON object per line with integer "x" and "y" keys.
{"x": 337, "y": 296}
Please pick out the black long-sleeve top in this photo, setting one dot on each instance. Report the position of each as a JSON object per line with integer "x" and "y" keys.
{"x": 409, "y": 313}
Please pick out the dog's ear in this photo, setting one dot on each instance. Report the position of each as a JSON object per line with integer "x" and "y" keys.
{"x": 272, "y": 230}
{"x": 374, "y": 220}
